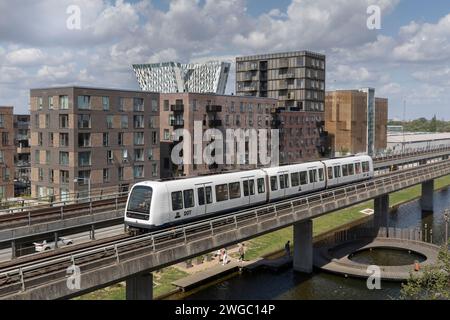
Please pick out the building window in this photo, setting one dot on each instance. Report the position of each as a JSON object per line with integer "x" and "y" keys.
{"x": 37, "y": 156}
{"x": 152, "y": 123}
{"x": 40, "y": 139}
{"x": 154, "y": 138}
{"x": 84, "y": 102}
{"x": 120, "y": 173}
{"x": 84, "y": 159}
{"x": 139, "y": 155}
{"x": 105, "y": 175}
{"x": 154, "y": 169}
{"x": 64, "y": 176}
{"x": 154, "y": 105}
{"x": 84, "y": 140}
{"x": 63, "y": 102}
{"x": 63, "y": 139}
{"x": 194, "y": 105}
{"x": 124, "y": 122}
{"x": 40, "y": 103}
{"x": 166, "y": 134}
{"x": 64, "y": 194}
{"x": 47, "y": 121}
{"x": 105, "y": 103}
{"x": 83, "y": 177}
{"x": 109, "y": 121}
{"x": 105, "y": 139}
{"x": 84, "y": 121}
{"x": 139, "y": 138}
{"x": 138, "y": 122}
{"x": 2, "y": 121}
{"x": 50, "y": 103}
{"x": 120, "y": 139}
{"x": 121, "y": 104}
{"x": 2, "y": 157}
{"x": 125, "y": 155}
{"x": 48, "y": 157}
{"x": 138, "y": 171}
{"x": 51, "y": 175}
{"x": 166, "y": 105}
{"x": 138, "y": 104}
{"x": 150, "y": 154}
{"x": 6, "y": 174}
{"x": 50, "y": 139}
{"x": 40, "y": 175}
{"x": 109, "y": 156}
{"x": 2, "y": 192}
{"x": 63, "y": 121}
{"x": 63, "y": 158}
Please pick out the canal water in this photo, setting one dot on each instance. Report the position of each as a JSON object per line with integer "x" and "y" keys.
{"x": 288, "y": 285}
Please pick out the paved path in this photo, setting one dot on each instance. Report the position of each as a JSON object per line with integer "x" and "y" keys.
{"x": 336, "y": 259}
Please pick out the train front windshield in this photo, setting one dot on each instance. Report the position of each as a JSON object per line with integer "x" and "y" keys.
{"x": 139, "y": 202}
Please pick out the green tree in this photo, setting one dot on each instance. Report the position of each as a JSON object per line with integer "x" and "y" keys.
{"x": 433, "y": 283}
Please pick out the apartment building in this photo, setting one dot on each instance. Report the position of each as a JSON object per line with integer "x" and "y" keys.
{"x": 22, "y": 158}
{"x": 221, "y": 112}
{"x": 352, "y": 117}
{"x": 7, "y": 151}
{"x": 85, "y": 139}
{"x": 297, "y": 81}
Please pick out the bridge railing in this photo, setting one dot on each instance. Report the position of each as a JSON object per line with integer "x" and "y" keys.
{"x": 411, "y": 153}
{"x": 181, "y": 236}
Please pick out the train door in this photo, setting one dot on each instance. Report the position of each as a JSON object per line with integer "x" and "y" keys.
{"x": 248, "y": 184}
{"x": 283, "y": 177}
{"x": 313, "y": 179}
{"x": 337, "y": 173}
{"x": 204, "y": 197}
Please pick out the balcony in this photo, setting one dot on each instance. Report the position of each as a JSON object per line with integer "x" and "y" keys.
{"x": 251, "y": 87}
{"x": 284, "y": 63}
{"x": 177, "y": 108}
{"x": 290, "y": 96}
{"x": 177, "y": 123}
{"x": 253, "y": 66}
{"x": 23, "y": 149}
{"x": 282, "y": 85}
{"x": 215, "y": 123}
{"x": 289, "y": 74}
{"x": 213, "y": 108}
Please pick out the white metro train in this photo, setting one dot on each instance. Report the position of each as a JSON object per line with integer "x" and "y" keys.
{"x": 156, "y": 204}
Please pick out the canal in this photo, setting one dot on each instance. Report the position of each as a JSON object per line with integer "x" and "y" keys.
{"x": 288, "y": 285}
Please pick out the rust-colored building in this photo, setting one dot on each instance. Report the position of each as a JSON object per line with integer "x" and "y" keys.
{"x": 346, "y": 120}
{"x": 86, "y": 139}
{"x": 211, "y": 111}
{"x": 7, "y": 150}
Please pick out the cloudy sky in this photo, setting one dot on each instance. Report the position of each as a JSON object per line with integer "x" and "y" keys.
{"x": 407, "y": 59}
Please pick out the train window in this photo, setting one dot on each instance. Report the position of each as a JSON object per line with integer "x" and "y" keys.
{"x": 201, "y": 196}
{"x": 345, "y": 170}
{"x": 365, "y": 166}
{"x": 261, "y": 186}
{"x": 351, "y": 169}
{"x": 295, "y": 179}
{"x": 221, "y": 192}
{"x": 235, "y": 190}
{"x": 312, "y": 176}
{"x": 284, "y": 181}
{"x": 188, "y": 199}
{"x": 303, "y": 178}
{"x": 140, "y": 199}
{"x": 249, "y": 187}
{"x": 274, "y": 183}
{"x": 321, "y": 176}
{"x": 177, "y": 200}
{"x": 208, "y": 195}
{"x": 337, "y": 171}
{"x": 330, "y": 172}
{"x": 358, "y": 168}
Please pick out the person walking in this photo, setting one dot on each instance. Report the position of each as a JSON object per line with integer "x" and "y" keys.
{"x": 225, "y": 257}
{"x": 241, "y": 252}
{"x": 287, "y": 248}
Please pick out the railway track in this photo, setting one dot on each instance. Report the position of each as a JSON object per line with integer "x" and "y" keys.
{"x": 22, "y": 274}
{"x": 30, "y": 217}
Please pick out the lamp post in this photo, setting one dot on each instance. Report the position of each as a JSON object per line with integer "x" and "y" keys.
{"x": 88, "y": 182}
{"x": 446, "y": 220}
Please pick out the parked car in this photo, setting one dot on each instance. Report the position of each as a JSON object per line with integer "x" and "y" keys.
{"x": 44, "y": 245}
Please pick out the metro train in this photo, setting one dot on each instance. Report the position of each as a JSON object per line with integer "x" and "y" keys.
{"x": 156, "y": 204}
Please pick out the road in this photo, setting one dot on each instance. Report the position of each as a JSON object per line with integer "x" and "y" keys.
{"x": 83, "y": 237}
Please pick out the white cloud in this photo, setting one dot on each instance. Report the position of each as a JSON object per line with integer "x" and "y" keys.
{"x": 27, "y": 56}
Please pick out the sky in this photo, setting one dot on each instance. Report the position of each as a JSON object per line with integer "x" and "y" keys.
{"x": 407, "y": 60}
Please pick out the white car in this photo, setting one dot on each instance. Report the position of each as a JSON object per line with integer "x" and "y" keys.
{"x": 44, "y": 245}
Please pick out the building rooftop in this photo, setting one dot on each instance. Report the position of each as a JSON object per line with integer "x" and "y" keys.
{"x": 90, "y": 88}
{"x": 280, "y": 55}
{"x": 409, "y": 137}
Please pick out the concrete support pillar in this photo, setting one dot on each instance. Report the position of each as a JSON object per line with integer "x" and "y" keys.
{"x": 426, "y": 200}
{"x": 303, "y": 246}
{"x": 381, "y": 210}
{"x": 140, "y": 287}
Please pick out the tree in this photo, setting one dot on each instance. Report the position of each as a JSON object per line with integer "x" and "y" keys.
{"x": 433, "y": 283}
{"x": 433, "y": 124}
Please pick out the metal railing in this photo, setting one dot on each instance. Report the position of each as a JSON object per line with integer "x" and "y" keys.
{"x": 410, "y": 153}
{"x": 300, "y": 208}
